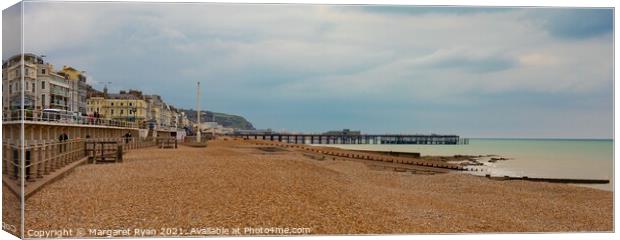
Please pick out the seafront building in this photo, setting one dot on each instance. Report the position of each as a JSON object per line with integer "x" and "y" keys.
{"x": 158, "y": 112}
{"x": 78, "y": 82}
{"x": 175, "y": 116}
{"x": 214, "y": 127}
{"x": 67, "y": 91}
{"x": 150, "y": 111}
{"x": 44, "y": 88}
{"x": 185, "y": 122}
{"x": 127, "y": 106}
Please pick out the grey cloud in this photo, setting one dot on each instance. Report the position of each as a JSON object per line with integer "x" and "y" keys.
{"x": 575, "y": 23}
{"x": 421, "y": 10}
{"x": 482, "y": 65}
{"x": 261, "y": 59}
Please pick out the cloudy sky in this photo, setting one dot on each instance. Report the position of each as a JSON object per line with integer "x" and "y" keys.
{"x": 476, "y": 72}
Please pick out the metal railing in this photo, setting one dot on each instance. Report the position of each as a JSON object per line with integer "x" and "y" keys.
{"x": 47, "y": 156}
{"x": 66, "y": 118}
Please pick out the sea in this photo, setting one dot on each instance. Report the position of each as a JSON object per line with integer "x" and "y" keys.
{"x": 547, "y": 158}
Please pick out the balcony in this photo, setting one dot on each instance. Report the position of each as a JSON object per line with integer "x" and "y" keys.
{"x": 60, "y": 92}
{"x": 58, "y": 102}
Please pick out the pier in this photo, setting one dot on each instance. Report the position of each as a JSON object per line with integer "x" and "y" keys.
{"x": 432, "y": 139}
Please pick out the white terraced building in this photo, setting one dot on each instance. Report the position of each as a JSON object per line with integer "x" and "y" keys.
{"x": 43, "y": 88}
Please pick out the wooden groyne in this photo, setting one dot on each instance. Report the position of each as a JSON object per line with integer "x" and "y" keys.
{"x": 411, "y": 160}
{"x": 366, "y": 156}
{"x": 551, "y": 180}
{"x": 393, "y": 153}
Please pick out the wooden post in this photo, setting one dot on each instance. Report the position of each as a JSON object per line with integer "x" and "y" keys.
{"x": 6, "y": 153}
{"x": 72, "y": 155}
{"x": 37, "y": 159}
{"x": 45, "y": 152}
{"x": 119, "y": 153}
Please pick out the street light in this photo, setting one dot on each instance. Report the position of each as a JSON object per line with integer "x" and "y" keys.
{"x": 198, "y": 112}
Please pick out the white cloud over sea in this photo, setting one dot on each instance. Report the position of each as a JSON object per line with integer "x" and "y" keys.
{"x": 529, "y": 72}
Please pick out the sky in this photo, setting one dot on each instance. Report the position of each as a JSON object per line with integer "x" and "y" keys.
{"x": 471, "y": 71}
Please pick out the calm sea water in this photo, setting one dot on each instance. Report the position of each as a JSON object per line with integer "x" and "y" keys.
{"x": 551, "y": 158}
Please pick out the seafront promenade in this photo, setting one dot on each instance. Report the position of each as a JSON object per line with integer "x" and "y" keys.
{"x": 241, "y": 183}
{"x": 53, "y": 144}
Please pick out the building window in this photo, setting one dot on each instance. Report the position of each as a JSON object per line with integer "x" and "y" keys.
{"x": 27, "y": 85}
{"x": 111, "y": 111}
{"x": 43, "y": 71}
{"x": 42, "y": 84}
{"x": 121, "y": 104}
{"x": 121, "y": 111}
{"x": 33, "y": 86}
{"x": 26, "y": 71}
{"x": 112, "y": 103}
{"x": 43, "y": 100}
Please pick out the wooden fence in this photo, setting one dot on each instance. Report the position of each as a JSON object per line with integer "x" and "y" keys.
{"x": 45, "y": 157}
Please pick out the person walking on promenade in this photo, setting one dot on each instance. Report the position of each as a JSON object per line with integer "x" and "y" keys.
{"x": 97, "y": 117}
{"x": 127, "y": 137}
{"x": 65, "y": 138}
{"x": 90, "y": 118}
{"x": 60, "y": 140}
{"x": 63, "y": 145}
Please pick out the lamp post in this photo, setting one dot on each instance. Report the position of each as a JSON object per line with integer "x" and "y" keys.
{"x": 198, "y": 112}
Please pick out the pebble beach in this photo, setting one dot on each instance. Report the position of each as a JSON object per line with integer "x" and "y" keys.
{"x": 235, "y": 184}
